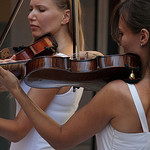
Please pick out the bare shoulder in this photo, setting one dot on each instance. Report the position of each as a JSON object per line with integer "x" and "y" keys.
{"x": 107, "y": 103}
{"x": 114, "y": 89}
{"x": 113, "y": 96}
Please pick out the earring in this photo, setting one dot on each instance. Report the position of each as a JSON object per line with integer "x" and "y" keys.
{"x": 141, "y": 45}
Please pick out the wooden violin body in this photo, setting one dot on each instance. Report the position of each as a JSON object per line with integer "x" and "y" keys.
{"x": 42, "y": 71}
{"x": 50, "y": 72}
{"x": 45, "y": 45}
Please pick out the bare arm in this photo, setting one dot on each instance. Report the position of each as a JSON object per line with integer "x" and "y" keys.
{"x": 15, "y": 130}
{"x": 84, "y": 124}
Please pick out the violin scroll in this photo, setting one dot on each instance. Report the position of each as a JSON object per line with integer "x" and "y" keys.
{"x": 5, "y": 53}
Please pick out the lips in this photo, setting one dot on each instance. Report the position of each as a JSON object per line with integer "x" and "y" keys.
{"x": 33, "y": 27}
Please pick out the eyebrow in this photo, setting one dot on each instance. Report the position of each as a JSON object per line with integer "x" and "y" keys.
{"x": 38, "y": 5}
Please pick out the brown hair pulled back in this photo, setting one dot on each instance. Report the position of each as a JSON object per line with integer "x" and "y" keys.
{"x": 135, "y": 13}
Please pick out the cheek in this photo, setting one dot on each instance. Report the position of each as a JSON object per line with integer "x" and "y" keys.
{"x": 125, "y": 44}
{"x": 50, "y": 23}
{"x": 126, "y": 41}
{"x": 129, "y": 44}
{"x": 44, "y": 22}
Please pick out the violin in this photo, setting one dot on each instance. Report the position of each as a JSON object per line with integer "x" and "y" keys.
{"x": 89, "y": 71}
{"x": 42, "y": 71}
{"x": 45, "y": 45}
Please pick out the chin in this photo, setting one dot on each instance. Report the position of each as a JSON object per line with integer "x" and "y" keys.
{"x": 36, "y": 35}
{"x": 126, "y": 51}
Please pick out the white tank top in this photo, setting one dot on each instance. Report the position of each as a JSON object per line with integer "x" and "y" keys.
{"x": 62, "y": 107}
{"x": 111, "y": 139}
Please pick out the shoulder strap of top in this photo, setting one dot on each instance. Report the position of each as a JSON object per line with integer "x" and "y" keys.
{"x": 139, "y": 107}
{"x": 61, "y": 55}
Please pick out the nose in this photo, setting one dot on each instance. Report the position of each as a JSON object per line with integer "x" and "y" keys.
{"x": 31, "y": 16}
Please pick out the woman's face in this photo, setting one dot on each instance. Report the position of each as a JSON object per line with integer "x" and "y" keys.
{"x": 45, "y": 17}
{"x": 128, "y": 40}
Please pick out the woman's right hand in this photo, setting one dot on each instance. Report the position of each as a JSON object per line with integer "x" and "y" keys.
{"x": 3, "y": 88}
{"x": 12, "y": 59}
{"x": 8, "y": 80}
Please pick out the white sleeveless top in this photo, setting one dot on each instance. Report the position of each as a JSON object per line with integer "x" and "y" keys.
{"x": 111, "y": 139}
{"x": 62, "y": 107}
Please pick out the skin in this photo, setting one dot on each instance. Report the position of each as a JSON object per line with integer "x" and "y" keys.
{"x": 44, "y": 17}
{"x": 112, "y": 104}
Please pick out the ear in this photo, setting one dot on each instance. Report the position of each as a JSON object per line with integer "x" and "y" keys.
{"x": 66, "y": 16}
{"x": 144, "y": 36}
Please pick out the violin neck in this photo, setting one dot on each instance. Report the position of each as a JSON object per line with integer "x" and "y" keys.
{"x": 17, "y": 68}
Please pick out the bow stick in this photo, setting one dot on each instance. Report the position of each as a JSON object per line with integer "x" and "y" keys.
{"x": 75, "y": 27}
{"x": 10, "y": 22}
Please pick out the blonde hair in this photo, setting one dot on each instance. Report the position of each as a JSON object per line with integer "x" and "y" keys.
{"x": 67, "y": 4}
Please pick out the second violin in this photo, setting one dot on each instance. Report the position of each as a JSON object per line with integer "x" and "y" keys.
{"x": 45, "y": 45}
